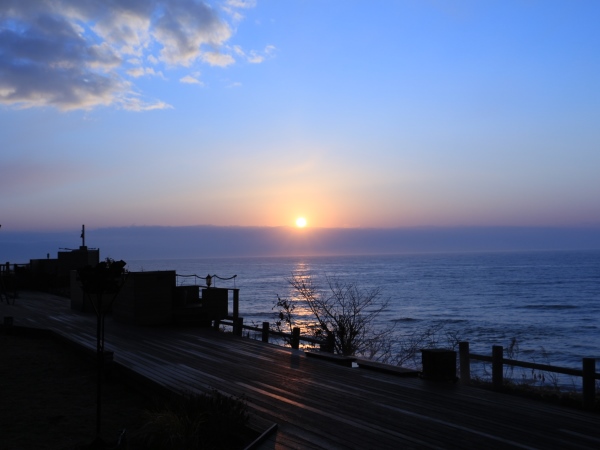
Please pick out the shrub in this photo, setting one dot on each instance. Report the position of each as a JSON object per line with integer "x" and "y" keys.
{"x": 192, "y": 421}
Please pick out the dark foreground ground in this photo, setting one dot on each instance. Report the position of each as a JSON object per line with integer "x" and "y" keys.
{"x": 316, "y": 404}
{"x": 48, "y": 398}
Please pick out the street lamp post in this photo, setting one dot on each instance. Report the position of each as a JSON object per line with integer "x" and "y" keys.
{"x": 105, "y": 279}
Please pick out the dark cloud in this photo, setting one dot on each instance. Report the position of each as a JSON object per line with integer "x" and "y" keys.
{"x": 185, "y": 27}
{"x": 47, "y": 62}
{"x": 208, "y": 241}
{"x": 76, "y": 54}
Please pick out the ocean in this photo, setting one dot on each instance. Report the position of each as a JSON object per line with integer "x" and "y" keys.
{"x": 548, "y": 301}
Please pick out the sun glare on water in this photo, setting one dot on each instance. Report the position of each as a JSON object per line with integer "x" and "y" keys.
{"x": 300, "y": 222}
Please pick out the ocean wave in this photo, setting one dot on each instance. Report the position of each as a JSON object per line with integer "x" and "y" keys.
{"x": 544, "y": 298}
{"x": 549, "y": 307}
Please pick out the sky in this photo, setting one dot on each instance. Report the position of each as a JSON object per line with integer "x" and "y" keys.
{"x": 352, "y": 114}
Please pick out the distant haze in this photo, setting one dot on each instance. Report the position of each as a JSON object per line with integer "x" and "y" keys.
{"x": 210, "y": 241}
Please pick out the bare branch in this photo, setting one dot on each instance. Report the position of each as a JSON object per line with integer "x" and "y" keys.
{"x": 343, "y": 311}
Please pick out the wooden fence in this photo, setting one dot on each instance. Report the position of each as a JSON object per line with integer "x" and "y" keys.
{"x": 587, "y": 372}
{"x": 294, "y": 338}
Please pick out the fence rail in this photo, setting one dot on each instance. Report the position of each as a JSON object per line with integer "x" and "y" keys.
{"x": 294, "y": 338}
{"x": 587, "y": 372}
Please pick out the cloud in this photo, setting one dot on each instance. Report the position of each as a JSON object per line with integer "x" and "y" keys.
{"x": 184, "y": 27}
{"x": 81, "y": 54}
{"x": 47, "y": 61}
{"x": 189, "y": 79}
{"x": 253, "y": 56}
{"x": 232, "y": 7}
{"x": 241, "y": 3}
{"x": 137, "y": 72}
{"x": 138, "y": 242}
{"x": 217, "y": 59}
{"x": 136, "y": 104}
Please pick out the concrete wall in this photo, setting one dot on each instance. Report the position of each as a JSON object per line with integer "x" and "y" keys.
{"x": 215, "y": 302}
{"x": 146, "y": 298}
{"x": 76, "y": 259}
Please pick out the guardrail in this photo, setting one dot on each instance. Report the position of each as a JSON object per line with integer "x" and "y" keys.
{"x": 587, "y": 372}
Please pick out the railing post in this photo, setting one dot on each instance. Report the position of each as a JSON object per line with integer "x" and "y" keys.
{"x": 236, "y": 303}
{"x": 295, "y": 338}
{"x": 265, "y": 332}
{"x": 589, "y": 382}
{"x": 497, "y": 367}
{"x": 238, "y": 326}
{"x": 465, "y": 362}
{"x": 331, "y": 342}
{"x": 328, "y": 344}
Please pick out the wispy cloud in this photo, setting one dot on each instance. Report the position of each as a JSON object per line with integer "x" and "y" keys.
{"x": 217, "y": 59}
{"x": 233, "y": 7}
{"x": 130, "y": 103}
{"x": 254, "y": 56}
{"x": 81, "y": 54}
{"x": 191, "y": 79}
{"x": 241, "y": 3}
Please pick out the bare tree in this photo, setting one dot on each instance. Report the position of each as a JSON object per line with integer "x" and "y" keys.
{"x": 407, "y": 348}
{"x": 346, "y": 315}
{"x": 343, "y": 313}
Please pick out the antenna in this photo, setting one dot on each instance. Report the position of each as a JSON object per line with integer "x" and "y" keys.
{"x": 82, "y": 235}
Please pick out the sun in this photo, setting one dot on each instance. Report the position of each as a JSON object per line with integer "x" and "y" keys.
{"x": 300, "y": 222}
